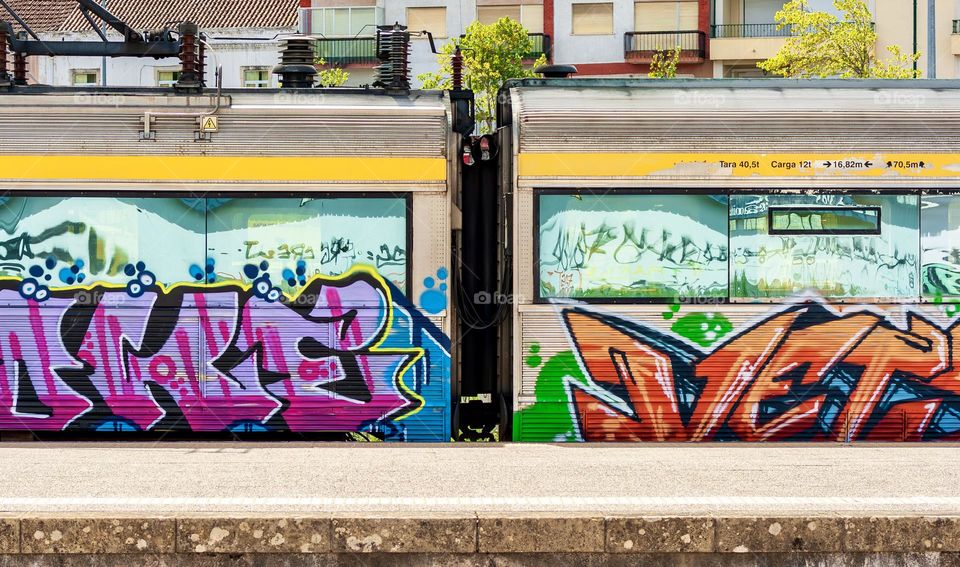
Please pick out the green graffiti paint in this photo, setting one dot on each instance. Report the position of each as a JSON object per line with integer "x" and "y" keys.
{"x": 702, "y": 328}
{"x": 674, "y": 308}
{"x": 549, "y": 418}
{"x": 533, "y": 360}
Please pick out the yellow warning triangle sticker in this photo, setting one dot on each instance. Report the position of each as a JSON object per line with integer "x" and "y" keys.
{"x": 209, "y": 124}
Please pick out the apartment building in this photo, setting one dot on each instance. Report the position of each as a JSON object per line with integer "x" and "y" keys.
{"x": 718, "y": 38}
{"x": 600, "y": 38}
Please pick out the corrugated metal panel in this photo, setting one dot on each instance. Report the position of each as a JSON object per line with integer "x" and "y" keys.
{"x": 137, "y": 368}
{"x": 265, "y": 125}
{"x": 621, "y": 119}
{"x": 810, "y": 372}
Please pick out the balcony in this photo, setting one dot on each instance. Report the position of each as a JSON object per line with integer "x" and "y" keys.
{"x": 748, "y": 30}
{"x": 541, "y": 46}
{"x": 640, "y": 47}
{"x": 746, "y": 42}
{"x": 344, "y": 51}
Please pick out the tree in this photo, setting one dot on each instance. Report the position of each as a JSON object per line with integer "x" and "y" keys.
{"x": 663, "y": 65}
{"x": 332, "y": 77}
{"x": 824, "y": 45}
{"x": 491, "y": 54}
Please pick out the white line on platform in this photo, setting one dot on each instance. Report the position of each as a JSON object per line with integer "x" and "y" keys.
{"x": 772, "y": 504}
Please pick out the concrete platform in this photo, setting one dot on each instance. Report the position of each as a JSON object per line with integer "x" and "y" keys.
{"x": 333, "y": 504}
{"x": 477, "y": 540}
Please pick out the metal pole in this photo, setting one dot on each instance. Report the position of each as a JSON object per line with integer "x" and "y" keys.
{"x": 915, "y": 39}
{"x": 103, "y": 60}
{"x": 931, "y": 39}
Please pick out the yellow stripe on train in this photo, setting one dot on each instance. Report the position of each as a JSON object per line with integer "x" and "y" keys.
{"x": 721, "y": 165}
{"x": 221, "y": 168}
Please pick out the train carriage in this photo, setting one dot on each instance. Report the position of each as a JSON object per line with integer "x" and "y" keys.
{"x": 246, "y": 261}
{"x": 732, "y": 260}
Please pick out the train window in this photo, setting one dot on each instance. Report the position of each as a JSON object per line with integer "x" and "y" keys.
{"x": 836, "y": 245}
{"x": 824, "y": 220}
{"x": 68, "y": 241}
{"x": 324, "y": 235}
{"x": 636, "y": 246}
{"x": 940, "y": 246}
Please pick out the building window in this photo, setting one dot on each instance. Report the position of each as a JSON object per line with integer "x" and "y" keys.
{"x": 86, "y": 77}
{"x": 529, "y": 15}
{"x": 167, "y": 77}
{"x": 256, "y": 77}
{"x": 665, "y": 16}
{"x": 340, "y": 22}
{"x": 433, "y": 20}
{"x": 593, "y": 19}
{"x": 631, "y": 246}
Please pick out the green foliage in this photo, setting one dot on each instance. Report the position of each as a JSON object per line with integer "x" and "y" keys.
{"x": 664, "y": 64}
{"x": 492, "y": 54}
{"x": 332, "y": 77}
{"x": 824, "y": 45}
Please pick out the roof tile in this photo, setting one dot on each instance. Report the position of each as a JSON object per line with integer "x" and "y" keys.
{"x": 64, "y": 15}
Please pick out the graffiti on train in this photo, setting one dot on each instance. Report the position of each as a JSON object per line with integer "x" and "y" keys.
{"x": 807, "y": 372}
{"x": 345, "y": 353}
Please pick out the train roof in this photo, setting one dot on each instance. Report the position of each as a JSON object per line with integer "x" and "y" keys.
{"x": 325, "y": 135}
{"x": 300, "y": 122}
{"x": 763, "y": 115}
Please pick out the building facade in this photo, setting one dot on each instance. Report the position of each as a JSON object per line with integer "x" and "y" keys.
{"x": 744, "y": 32}
{"x": 718, "y": 38}
{"x": 600, "y": 38}
{"x": 242, "y": 39}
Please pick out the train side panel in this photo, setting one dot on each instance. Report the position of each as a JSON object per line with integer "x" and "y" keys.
{"x": 718, "y": 262}
{"x": 251, "y": 285}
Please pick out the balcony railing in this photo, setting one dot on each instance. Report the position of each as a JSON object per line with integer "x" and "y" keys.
{"x": 639, "y": 47}
{"x": 748, "y": 30}
{"x": 541, "y": 46}
{"x": 342, "y": 51}
{"x": 719, "y": 31}
{"x": 956, "y": 26}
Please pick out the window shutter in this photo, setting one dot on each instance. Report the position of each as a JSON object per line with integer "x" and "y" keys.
{"x": 532, "y": 17}
{"x": 689, "y": 16}
{"x": 593, "y": 19}
{"x": 492, "y": 14}
{"x": 666, "y": 16}
{"x": 433, "y": 20}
